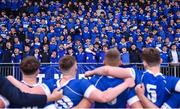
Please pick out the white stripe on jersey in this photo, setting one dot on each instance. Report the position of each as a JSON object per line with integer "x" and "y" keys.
{"x": 98, "y": 81}
{"x": 165, "y": 106}
{"x": 133, "y": 73}
{"x": 177, "y": 87}
{"x": 132, "y": 100}
{"x": 5, "y": 101}
{"x": 89, "y": 90}
{"x": 46, "y": 89}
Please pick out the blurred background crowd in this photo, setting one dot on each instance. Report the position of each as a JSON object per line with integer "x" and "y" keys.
{"x": 86, "y": 29}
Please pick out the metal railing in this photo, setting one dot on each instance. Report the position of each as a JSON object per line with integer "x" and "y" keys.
{"x": 13, "y": 69}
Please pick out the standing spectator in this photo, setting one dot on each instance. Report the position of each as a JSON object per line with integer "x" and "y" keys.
{"x": 36, "y": 43}
{"x": 3, "y": 31}
{"x": 21, "y": 34}
{"x": 27, "y": 51}
{"x": 140, "y": 43}
{"x": 102, "y": 54}
{"x": 164, "y": 54}
{"x": 174, "y": 54}
{"x": 159, "y": 43}
{"x": 70, "y": 51}
{"x": 60, "y": 51}
{"x": 134, "y": 54}
{"x": 37, "y": 54}
{"x": 80, "y": 55}
{"x": 17, "y": 44}
{"x": 16, "y": 56}
{"x": 1, "y": 54}
{"x": 53, "y": 45}
{"x": 7, "y": 53}
{"x": 125, "y": 56}
{"x": 1, "y": 42}
{"x": 122, "y": 43}
{"x": 53, "y": 58}
{"x": 90, "y": 55}
{"x": 45, "y": 54}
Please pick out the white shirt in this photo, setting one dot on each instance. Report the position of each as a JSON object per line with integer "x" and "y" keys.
{"x": 174, "y": 56}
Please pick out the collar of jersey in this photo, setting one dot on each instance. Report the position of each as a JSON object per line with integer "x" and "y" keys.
{"x": 157, "y": 74}
{"x": 58, "y": 82}
{"x": 33, "y": 85}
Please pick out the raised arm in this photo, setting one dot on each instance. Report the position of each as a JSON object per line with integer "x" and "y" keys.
{"x": 112, "y": 71}
{"x": 144, "y": 101}
{"x": 111, "y": 93}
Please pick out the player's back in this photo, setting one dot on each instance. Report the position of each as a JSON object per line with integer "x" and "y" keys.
{"x": 155, "y": 86}
{"x": 105, "y": 82}
{"x": 73, "y": 91}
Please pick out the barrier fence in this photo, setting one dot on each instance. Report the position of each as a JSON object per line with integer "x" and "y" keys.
{"x": 49, "y": 70}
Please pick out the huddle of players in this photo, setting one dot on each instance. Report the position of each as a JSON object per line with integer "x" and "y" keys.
{"x": 110, "y": 87}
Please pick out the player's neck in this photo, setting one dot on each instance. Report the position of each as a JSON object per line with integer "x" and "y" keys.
{"x": 29, "y": 79}
{"x": 66, "y": 78}
{"x": 154, "y": 69}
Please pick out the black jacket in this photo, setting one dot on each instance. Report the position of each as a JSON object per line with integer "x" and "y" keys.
{"x": 19, "y": 99}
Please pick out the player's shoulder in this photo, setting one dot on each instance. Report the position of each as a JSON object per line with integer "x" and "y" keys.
{"x": 50, "y": 84}
{"x": 96, "y": 78}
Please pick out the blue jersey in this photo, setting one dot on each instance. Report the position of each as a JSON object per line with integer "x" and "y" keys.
{"x": 105, "y": 82}
{"x": 173, "y": 102}
{"x": 173, "y": 83}
{"x": 73, "y": 91}
{"x": 157, "y": 86}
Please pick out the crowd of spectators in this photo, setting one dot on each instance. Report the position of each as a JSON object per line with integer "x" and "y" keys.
{"x": 87, "y": 29}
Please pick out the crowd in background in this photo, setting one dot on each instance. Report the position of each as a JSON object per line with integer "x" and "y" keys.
{"x": 86, "y": 29}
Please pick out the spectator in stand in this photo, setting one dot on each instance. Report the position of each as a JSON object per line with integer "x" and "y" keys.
{"x": 26, "y": 51}
{"x": 113, "y": 23}
{"x": 61, "y": 51}
{"x": 164, "y": 54}
{"x": 134, "y": 54}
{"x": 45, "y": 54}
{"x": 80, "y": 55}
{"x": 90, "y": 54}
{"x": 7, "y": 53}
{"x": 125, "y": 56}
{"x": 174, "y": 54}
{"x": 37, "y": 54}
{"x": 102, "y": 54}
{"x": 16, "y": 56}
{"x": 54, "y": 58}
